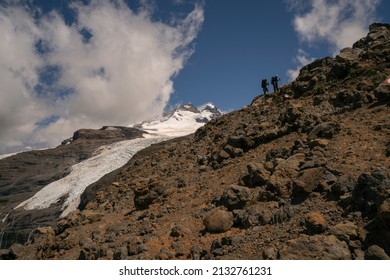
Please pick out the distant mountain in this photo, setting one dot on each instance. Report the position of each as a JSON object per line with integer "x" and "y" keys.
{"x": 183, "y": 120}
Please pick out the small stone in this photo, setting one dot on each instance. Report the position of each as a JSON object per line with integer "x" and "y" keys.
{"x": 269, "y": 166}
{"x": 179, "y": 231}
{"x": 164, "y": 254}
{"x": 46, "y": 230}
{"x": 315, "y": 222}
{"x": 329, "y": 177}
{"x": 203, "y": 168}
{"x": 318, "y": 143}
{"x": 223, "y": 155}
{"x": 270, "y": 253}
{"x": 359, "y": 254}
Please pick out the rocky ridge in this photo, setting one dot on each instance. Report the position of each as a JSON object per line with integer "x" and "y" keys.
{"x": 302, "y": 174}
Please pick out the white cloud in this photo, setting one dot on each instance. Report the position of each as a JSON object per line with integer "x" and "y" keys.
{"x": 120, "y": 75}
{"x": 18, "y": 64}
{"x": 338, "y": 23}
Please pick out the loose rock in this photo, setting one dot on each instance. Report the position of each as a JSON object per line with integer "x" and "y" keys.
{"x": 218, "y": 221}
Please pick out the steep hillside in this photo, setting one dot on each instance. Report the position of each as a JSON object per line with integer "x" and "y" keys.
{"x": 302, "y": 174}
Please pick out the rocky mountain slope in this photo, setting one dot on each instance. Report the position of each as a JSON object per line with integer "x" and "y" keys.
{"x": 38, "y": 187}
{"x": 302, "y": 174}
{"x": 24, "y": 174}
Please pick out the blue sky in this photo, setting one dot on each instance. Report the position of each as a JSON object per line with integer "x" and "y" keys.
{"x": 66, "y": 65}
{"x": 244, "y": 41}
{"x": 241, "y": 42}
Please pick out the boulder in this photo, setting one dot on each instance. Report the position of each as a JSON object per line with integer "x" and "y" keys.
{"x": 281, "y": 181}
{"x": 236, "y": 141}
{"x": 324, "y": 130}
{"x": 308, "y": 180}
{"x": 235, "y": 197}
{"x": 257, "y": 214}
{"x": 257, "y": 174}
{"x": 292, "y": 163}
{"x": 280, "y": 184}
{"x": 233, "y": 151}
{"x": 218, "y": 221}
{"x": 374, "y": 252}
{"x": 321, "y": 247}
{"x": 349, "y": 54}
{"x": 344, "y": 184}
{"x": 345, "y": 231}
{"x": 371, "y": 190}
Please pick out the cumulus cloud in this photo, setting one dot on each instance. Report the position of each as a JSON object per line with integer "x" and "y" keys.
{"x": 340, "y": 23}
{"x": 111, "y": 66}
{"x": 18, "y": 64}
{"x": 337, "y": 23}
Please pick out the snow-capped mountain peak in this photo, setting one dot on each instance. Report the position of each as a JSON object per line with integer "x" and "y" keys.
{"x": 183, "y": 120}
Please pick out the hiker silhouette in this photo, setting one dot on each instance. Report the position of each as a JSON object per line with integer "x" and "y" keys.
{"x": 264, "y": 85}
{"x": 274, "y": 81}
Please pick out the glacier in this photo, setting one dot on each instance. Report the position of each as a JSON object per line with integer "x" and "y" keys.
{"x": 87, "y": 172}
{"x": 111, "y": 157}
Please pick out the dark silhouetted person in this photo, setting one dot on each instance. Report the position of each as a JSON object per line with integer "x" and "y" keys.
{"x": 274, "y": 82}
{"x": 264, "y": 85}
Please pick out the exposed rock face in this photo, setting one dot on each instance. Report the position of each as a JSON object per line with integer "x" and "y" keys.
{"x": 299, "y": 178}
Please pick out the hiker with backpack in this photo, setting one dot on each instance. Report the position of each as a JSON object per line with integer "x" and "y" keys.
{"x": 274, "y": 82}
{"x": 264, "y": 85}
